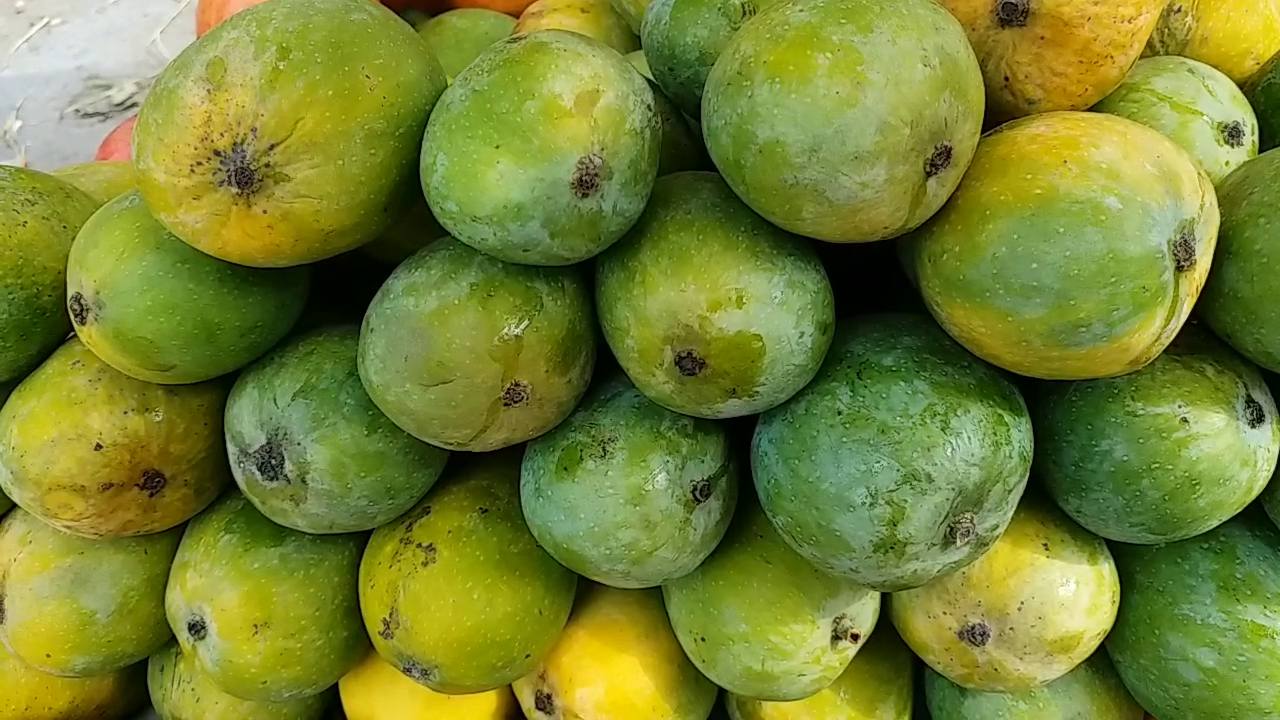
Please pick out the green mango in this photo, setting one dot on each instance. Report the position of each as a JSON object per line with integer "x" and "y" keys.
{"x": 1092, "y": 690}
{"x": 460, "y": 36}
{"x": 181, "y": 690}
{"x": 1263, "y": 91}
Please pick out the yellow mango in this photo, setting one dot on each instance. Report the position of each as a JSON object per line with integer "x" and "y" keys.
{"x": 376, "y": 690}
{"x": 594, "y": 18}
{"x": 28, "y": 694}
{"x": 1234, "y": 36}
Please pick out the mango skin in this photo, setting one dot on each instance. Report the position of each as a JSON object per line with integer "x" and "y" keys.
{"x": 617, "y": 659}
{"x": 39, "y": 217}
{"x": 180, "y": 690}
{"x": 97, "y": 453}
{"x": 159, "y": 310}
{"x": 469, "y": 353}
{"x": 626, "y": 492}
{"x": 1033, "y": 607}
{"x": 1235, "y": 37}
{"x": 28, "y": 694}
{"x": 543, "y": 151}
{"x": 76, "y": 607}
{"x": 458, "y": 37}
{"x": 1192, "y": 104}
{"x": 632, "y": 11}
{"x": 1092, "y": 690}
{"x": 1047, "y": 55}
{"x": 256, "y": 146}
{"x": 310, "y": 449}
{"x": 375, "y": 689}
{"x": 426, "y": 584}
{"x": 1240, "y": 300}
{"x": 682, "y": 147}
{"x": 760, "y": 621}
{"x": 902, "y": 461}
{"x": 1202, "y": 608}
{"x": 877, "y": 685}
{"x": 992, "y": 265}
{"x": 1263, "y": 92}
{"x": 845, "y": 120}
{"x": 710, "y": 310}
{"x": 102, "y": 180}
{"x": 269, "y": 613}
{"x": 1162, "y": 454}
{"x": 596, "y": 19}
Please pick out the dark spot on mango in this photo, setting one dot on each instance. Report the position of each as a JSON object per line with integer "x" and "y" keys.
{"x": 689, "y": 363}
{"x": 417, "y": 672}
{"x": 938, "y": 160}
{"x": 515, "y": 394}
{"x": 1254, "y": 414}
{"x": 106, "y": 487}
{"x": 268, "y": 461}
{"x": 1232, "y": 133}
{"x": 197, "y": 628}
{"x": 1184, "y": 248}
{"x": 78, "y": 306}
{"x": 543, "y": 702}
{"x": 238, "y": 170}
{"x": 97, "y": 447}
{"x": 975, "y": 634}
{"x": 701, "y": 491}
{"x": 2, "y": 596}
{"x": 429, "y": 553}
{"x": 390, "y": 624}
{"x": 747, "y": 10}
{"x": 152, "y": 482}
{"x": 588, "y": 176}
{"x": 1013, "y": 13}
{"x": 843, "y": 631}
{"x": 961, "y": 529}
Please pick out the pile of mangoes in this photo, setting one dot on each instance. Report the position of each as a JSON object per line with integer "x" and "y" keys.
{"x": 787, "y": 360}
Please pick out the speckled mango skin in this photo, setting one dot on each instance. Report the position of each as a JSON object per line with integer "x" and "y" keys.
{"x": 626, "y": 492}
{"x": 1162, "y": 454}
{"x": 28, "y": 694}
{"x": 97, "y": 453}
{"x": 458, "y": 37}
{"x": 1263, "y": 92}
{"x": 1235, "y": 37}
{"x": 77, "y": 607}
{"x": 427, "y": 583}
{"x": 310, "y": 449}
{"x": 1195, "y": 636}
{"x": 1241, "y": 301}
{"x": 543, "y": 151}
{"x": 596, "y": 19}
{"x": 877, "y": 685}
{"x": 682, "y": 147}
{"x": 1034, "y": 606}
{"x": 845, "y": 120}
{"x": 1092, "y": 690}
{"x": 181, "y": 690}
{"x": 268, "y": 612}
{"x": 289, "y": 133}
{"x": 1074, "y": 248}
{"x": 903, "y": 460}
{"x": 376, "y": 690}
{"x": 1192, "y": 104}
{"x": 469, "y": 353}
{"x": 617, "y": 659}
{"x": 760, "y": 621}
{"x": 710, "y": 310}
{"x": 1043, "y": 55}
{"x": 103, "y": 180}
{"x": 39, "y": 217}
{"x": 159, "y": 310}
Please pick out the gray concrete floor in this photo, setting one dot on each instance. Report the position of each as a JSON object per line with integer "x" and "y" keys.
{"x": 70, "y": 70}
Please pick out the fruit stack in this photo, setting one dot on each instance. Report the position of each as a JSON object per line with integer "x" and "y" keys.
{"x": 801, "y": 360}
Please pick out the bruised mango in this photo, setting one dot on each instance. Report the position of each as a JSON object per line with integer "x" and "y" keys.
{"x": 289, "y": 133}
{"x": 1073, "y": 249}
{"x": 159, "y": 310}
{"x": 427, "y": 584}
{"x": 594, "y": 18}
{"x": 459, "y": 36}
{"x": 39, "y": 217}
{"x": 571, "y": 120}
{"x": 268, "y": 612}
{"x": 28, "y": 694}
{"x": 181, "y": 690}
{"x": 1234, "y": 36}
{"x": 97, "y": 453}
{"x": 78, "y": 607}
{"x": 375, "y": 690}
{"x": 102, "y": 180}
{"x": 617, "y": 659}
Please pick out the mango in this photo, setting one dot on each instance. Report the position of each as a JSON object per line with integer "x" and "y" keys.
{"x": 375, "y": 690}
{"x": 28, "y": 694}
{"x": 875, "y": 686}
{"x": 902, "y": 461}
{"x": 1044, "y": 55}
{"x": 102, "y": 180}
{"x": 159, "y": 310}
{"x": 682, "y": 147}
{"x": 710, "y": 310}
{"x": 39, "y": 217}
{"x": 311, "y": 451}
{"x": 616, "y": 660}
{"x": 760, "y": 621}
{"x": 427, "y": 584}
{"x": 470, "y": 353}
{"x": 1263, "y": 92}
{"x": 1025, "y": 613}
{"x": 845, "y": 120}
{"x": 1236, "y": 37}
{"x": 416, "y": 229}
{"x": 76, "y": 607}
{"x": 288, "y": 133}
{"x": 97, "y": 453}
{"x": 459, "y": 36}
{"x": 269, "y": 613}
{"x": 1193, "y": 105}
{"x": 180, "y": 690}
{"x": 1092, "y": 690}
{"x": 596, "y": 19}
{"x": 571, "y": 120}
{"x": 1074, "y": 248}
{"x": 632, "y": 11}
